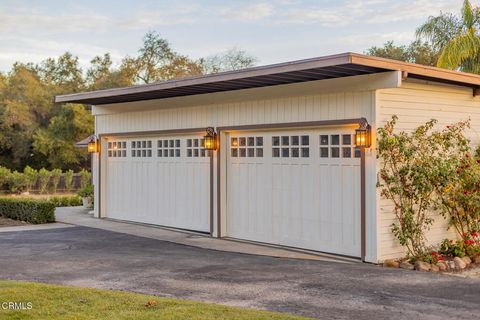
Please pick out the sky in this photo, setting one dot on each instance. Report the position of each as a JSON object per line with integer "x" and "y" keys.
{"x": 272, "y": 31}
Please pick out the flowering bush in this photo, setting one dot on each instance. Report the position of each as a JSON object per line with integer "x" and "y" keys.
{"x": 415, "y": 166}
{"x": 459, "y": 198}
{"x": 469, "y": 246}
{"x": 430, "y": 256}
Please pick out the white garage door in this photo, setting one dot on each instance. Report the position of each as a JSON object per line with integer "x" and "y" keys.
{"x": 161, "y": 180}
{"x": 295, "y": 188}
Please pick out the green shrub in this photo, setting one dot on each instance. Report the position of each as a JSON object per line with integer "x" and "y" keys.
{"x": 66, "y": 201}
{"x": 56, "y": 175}
{"x": 4, "y": 176}
{"x": 17, "y": 182}
{"x": 86, "y": 191}
{"x": 68, "y": 176}
{"x": 31, "y": 176}
{"x": 44, "y": 179}
{"x": 29, "y": 210}
{"x": 85, "y": 178}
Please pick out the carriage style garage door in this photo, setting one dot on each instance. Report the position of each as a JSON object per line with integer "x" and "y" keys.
{"x": 298, "y": 188}
{"x": 161, "y": 180}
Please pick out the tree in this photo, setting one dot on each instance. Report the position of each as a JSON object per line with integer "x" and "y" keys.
{"x": 101, "y": 75}
{"x": 233, "y": 59}
{"x": 56, "y": 142}
{"x": 157, "y": 61}
{"x": 36, "y": 132}
{"x": 25, "y": 105}
{"x": 62, "y": 75}
{"x": 456, "y": 38}
{"x": 416, "y": 52}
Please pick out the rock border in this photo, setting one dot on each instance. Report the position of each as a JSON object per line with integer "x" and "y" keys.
{"x": 454, "y": 265}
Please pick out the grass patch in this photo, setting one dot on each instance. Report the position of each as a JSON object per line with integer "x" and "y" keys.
{"x": 64, "y": 302}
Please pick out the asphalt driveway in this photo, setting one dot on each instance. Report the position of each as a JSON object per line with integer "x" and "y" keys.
{"x": 103, "y": 259}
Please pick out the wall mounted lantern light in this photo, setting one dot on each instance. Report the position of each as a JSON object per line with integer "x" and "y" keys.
{"x": 210, "y": 139}
{"x": 93, "y": 145}
{"x": 363, "y": 135}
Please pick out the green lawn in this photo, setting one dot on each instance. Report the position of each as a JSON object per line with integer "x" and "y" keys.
{"x": 64, "y": 302}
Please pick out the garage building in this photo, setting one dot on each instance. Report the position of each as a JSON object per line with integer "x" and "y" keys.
{"x": 286, "y": 170}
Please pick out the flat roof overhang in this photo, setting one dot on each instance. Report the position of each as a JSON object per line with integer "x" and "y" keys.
{"x": 328, "y": 67}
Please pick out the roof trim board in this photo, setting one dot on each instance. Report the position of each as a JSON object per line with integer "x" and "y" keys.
{"x": 328, "y": 67}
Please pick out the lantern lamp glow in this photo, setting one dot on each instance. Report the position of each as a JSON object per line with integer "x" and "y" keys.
{"x": 210, "y": 139}
{"x": 363, "y": 136}
{"x": 93, "y": 146}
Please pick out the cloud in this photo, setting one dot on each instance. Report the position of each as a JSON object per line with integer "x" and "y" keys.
{"x": 376, "y": 38}
{"x": 33, "y": 31}
{"x": 36, "y": 22}
{"x": 29, "y": 49}
{"x": 315, "y": 16}
{"x": 403, "y": 11}
{"x": 247, "y": 13}
{"x": 178, "y": 14}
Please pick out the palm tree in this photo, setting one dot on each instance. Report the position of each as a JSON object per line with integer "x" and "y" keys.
{"x": 455, "y": 38}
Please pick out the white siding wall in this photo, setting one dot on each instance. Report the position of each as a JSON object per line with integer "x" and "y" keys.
{"x": 415, "y": 103}
{"x": 344, "y": 98}
{"x": 292, "y": 109}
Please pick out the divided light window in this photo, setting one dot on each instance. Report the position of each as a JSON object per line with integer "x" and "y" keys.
{"x": 196, "y": 148}
{"x": 338, "y": 146}
{"x": 291, "y": 146}
{"x": 251, "y": 147}
{"x": 117, "y": 149}
{"x": 141, "y": 148}
{"x": 168, "y": 148}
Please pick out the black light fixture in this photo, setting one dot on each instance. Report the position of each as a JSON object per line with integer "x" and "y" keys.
{"x": 363, "y": 135}
{"x": 210, "y": 139}
{"x": 93, "y": 145}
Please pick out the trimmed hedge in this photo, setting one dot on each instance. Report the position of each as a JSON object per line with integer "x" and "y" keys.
{"x": 34, "y": 211}
{"x": 66, "y": 201}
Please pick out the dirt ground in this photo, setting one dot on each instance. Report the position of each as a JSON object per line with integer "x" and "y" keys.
{"x": 6, "y": 222}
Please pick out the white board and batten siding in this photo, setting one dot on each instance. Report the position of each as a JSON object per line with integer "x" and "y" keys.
{"x": 338, "y": 99}
{"x": 415, "y": 103}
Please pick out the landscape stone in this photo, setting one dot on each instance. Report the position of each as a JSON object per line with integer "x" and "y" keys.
{"x": 442, "y": 266}
{"x": 391, "y": 263}
{"x": 451, "y": 265}
{"x": 422, "y": 266}
{"x": 459, "y": 263}
{"x": 407, "y": 265}
{"x": 467, "y": 260}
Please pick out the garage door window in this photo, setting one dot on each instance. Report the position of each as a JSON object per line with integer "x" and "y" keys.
{"x": 141, "y": 148}
{"x": 338, "y": 146}
{"x": 117, "y": 149}
{"x": 196, "y": 148}
{"x": 291, "y": 146}
{"x": 168, "y": 148}
{"x": 251, "y": 147}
